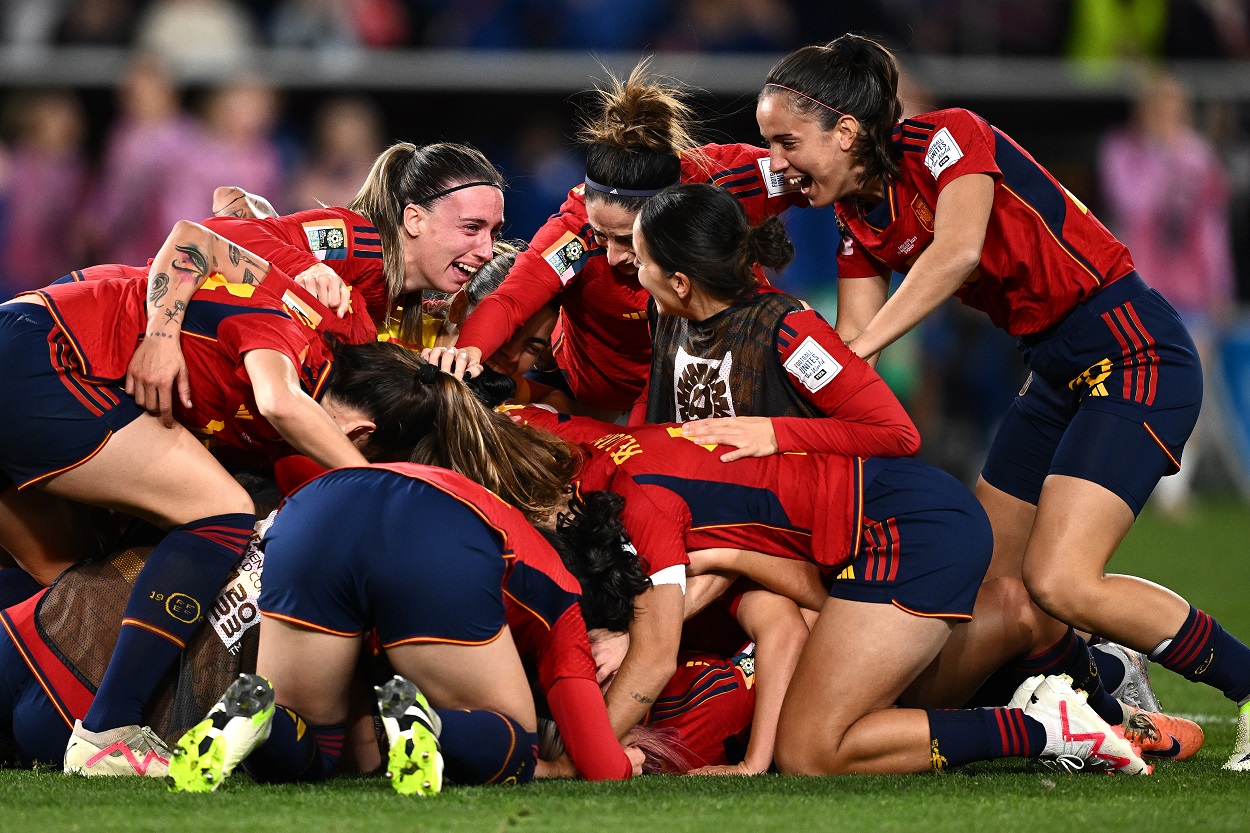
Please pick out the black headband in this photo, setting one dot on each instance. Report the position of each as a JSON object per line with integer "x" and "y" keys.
{"x": 622, "y": 192}
{"x": 454, "y": 188}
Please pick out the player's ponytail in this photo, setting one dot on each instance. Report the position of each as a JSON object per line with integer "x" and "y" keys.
{"x": 405, "y": 174}
{"x": 529, "y": 469}
{"x": 635, "y": 136}
{"x": 702, "y": 232}
{"x": 852, "y": 76}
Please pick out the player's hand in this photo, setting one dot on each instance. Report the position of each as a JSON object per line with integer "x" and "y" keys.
{"x": 324, "y": 283}
{"x": 461, "y": 362}
{"x": 724, "y": 769}
{"x": 609, "y": 649}
{"x": 751, "y": 436}
{"x": 636, "y": 759}
{"x": 156, "y": 370}
{"x": 561, "y": 767}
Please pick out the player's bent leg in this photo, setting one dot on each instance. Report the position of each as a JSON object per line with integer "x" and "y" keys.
{"x": 482, "y": 704}
{"x": 838, "y": 714}
{"x": 1011, "y": 520}
{"x": 1079, "y": 526}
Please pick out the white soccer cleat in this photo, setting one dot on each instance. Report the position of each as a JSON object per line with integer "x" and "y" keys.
{"x": 1239, "y": 761}
{"x": 1024, "y": 694}
{"x": 210, "y": 750}
{"x": 1076, "y": 737}
{"x": 127, "y": 750}
{"x": 414, "y": 763}
{"x": 1135, "y": 689}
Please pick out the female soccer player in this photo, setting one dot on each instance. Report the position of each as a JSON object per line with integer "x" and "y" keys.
{"x": 638, "y": 141}
{"x": 908, "y": 546}
{"x": 765, "y": 373}
{"x": 72, "y": 431}
{"x": 1115, "y": 383}
{"x": 425, "y": 218}
{"x": 438, "y": 606}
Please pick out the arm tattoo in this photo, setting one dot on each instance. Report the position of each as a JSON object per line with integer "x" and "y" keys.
{"x": 172, "y": 314}
{"x": 234, "y": 254}
{"x": 160, "y": 285}
{"x": 198, "y": 267}
{"x": 248, "y": 277}
{"x": 159, "y": 334}
{"x": 641, "y": 698}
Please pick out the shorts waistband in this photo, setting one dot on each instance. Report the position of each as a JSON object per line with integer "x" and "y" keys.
{"x": 1104, "y": 300}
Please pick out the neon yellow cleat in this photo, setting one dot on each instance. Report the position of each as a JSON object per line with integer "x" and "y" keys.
{"x": 414, "y": 764}
{"x": 210, "y": 750}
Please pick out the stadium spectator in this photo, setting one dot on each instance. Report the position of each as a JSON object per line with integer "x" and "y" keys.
{"x": 1168, "y": 199}
{"x": 347, "y": 137}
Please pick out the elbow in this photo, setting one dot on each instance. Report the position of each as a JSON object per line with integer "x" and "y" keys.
{"x": 910, "y": 440}
{"x": 277, "y": 407}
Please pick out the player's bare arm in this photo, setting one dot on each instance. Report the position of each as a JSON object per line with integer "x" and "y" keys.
{"x": 960, "y": 221}
{"x": 189, "y": 256}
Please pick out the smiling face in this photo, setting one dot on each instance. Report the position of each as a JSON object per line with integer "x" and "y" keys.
{"x": 446, "y": 244}
{"x": 528, "y": 344}
{"x": 653, "y": 278}
{"x": 818, "y": 160}
{"x": 613, "y": 227}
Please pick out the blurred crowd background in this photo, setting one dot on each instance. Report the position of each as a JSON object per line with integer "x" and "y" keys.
{"x": 95, "y": 171}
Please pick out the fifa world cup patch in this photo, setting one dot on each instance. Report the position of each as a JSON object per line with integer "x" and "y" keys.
{"x": 327, "y": 239}
{"x": 943, "y": 152}
{"x": 775, "y": 183}
{"x": 812, "y": 365}
{"x": 566, "y": 256}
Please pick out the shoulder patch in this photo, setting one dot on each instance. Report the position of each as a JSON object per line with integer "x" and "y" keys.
{"x": 943, "y": 152}
{"x": 566, "y": 256}
{"x": 812, "y": 365}
{"x": 774, "y": 184}
{"x": 327, "y": 239}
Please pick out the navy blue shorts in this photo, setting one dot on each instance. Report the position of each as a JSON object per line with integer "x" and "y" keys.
{"x": 1113, "y": 395}
{"x": 27, "y": 717}
{"x": 925, "y": 543}
{"x": 357, "y": 549}
{"x": 54, "y": 419}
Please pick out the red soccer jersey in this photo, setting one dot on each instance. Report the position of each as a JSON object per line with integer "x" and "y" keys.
{"x": 709, "y": 702}
{"x": 541, "y": 601}
{"x": 104, "y": 319}
{"x": 1044, "y": 251}
{"x": 338, "y": 237}
{"x": 792, "y": 505}
{"x": 605, "y": 348}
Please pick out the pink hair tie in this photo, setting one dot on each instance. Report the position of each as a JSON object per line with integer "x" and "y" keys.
{"x": 808, "y": 97}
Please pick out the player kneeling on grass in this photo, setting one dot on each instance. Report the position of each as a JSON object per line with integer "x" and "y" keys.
{"x": 424, "y": 557}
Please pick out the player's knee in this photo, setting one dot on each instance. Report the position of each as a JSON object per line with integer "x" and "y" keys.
{"x": 1063, "y": 594}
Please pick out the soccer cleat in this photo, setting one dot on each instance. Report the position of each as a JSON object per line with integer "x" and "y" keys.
{"x": 1239, "y": 761}
{"x": 414, "y": 763}
{"x": 1162, "y": 735}
{"x": 1024, "y": 694}
{"x": 209, "y": 751}
{"x": 1135, "y": 689}
{"x": 1076, "y": 737}
{"x": 128, "y": 750}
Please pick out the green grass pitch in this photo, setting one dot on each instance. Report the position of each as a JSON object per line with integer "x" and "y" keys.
{"x": 1203, "y": 558}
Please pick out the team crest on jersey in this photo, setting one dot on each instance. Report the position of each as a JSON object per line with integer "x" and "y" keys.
{"x": 775, "y": 184}
{"x": 943, "y": 152}
{"x": 924, "y": 214}
{"x": 812, "y": 365}
{"x": 566, "y": 256}
{"x": 327, "y": 239}
{"x": 701, "y": 387}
